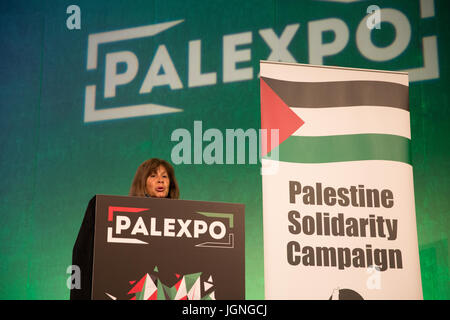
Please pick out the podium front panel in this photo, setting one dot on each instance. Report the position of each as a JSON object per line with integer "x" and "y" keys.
{"x": 164, "y": 249}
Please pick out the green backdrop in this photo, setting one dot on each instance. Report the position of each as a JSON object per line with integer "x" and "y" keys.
{"x": 52, "y": 161}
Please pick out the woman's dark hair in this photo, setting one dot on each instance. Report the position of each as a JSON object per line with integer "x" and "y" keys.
{"x": 138, "y": 186}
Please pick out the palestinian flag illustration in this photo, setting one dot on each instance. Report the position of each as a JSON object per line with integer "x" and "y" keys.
{"x": 328, "y": 118}
{"x": 340, "y": 197}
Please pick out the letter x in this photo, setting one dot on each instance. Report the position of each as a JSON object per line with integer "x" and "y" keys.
{"x": 279, "y": 45}
{"x": 184, "y": 229}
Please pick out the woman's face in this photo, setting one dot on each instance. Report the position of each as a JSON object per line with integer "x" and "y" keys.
{"x": 158, "y": 183}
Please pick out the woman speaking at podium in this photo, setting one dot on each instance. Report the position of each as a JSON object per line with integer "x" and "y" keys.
{"x": 155, "y": 178}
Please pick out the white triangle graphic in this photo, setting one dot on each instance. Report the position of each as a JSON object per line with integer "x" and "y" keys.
{"x": 149, "y": 287}
{"x": 207, "y": 285}
{"x": 181, "y": 290}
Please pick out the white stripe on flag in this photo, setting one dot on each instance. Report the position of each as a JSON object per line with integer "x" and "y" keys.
{"x": 311, "y": 73}
{"x": 353, "y": 120}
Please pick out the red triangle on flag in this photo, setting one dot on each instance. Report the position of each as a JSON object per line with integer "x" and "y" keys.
{"x": 276, "y": 114}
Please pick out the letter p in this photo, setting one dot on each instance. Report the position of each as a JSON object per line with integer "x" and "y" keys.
{"x": 317, "y": 48}
{"x": 200, "y": 227}
{"x": 294, "y": 188}
{"x": 114, "y": 79}
{"x": 122, "y": 223}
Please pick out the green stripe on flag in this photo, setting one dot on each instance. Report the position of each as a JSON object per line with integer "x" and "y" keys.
{"x": 341, "y": 148}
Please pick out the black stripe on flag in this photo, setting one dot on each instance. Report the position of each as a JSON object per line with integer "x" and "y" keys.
{"x": 340, "y": 93}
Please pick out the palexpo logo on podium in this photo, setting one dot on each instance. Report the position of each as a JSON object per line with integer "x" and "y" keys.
{"x": 213, "y": 230}
{"x": 124, "y": 67}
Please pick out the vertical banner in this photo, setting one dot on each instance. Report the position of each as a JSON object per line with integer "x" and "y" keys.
{"x": 339, "y": 216}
